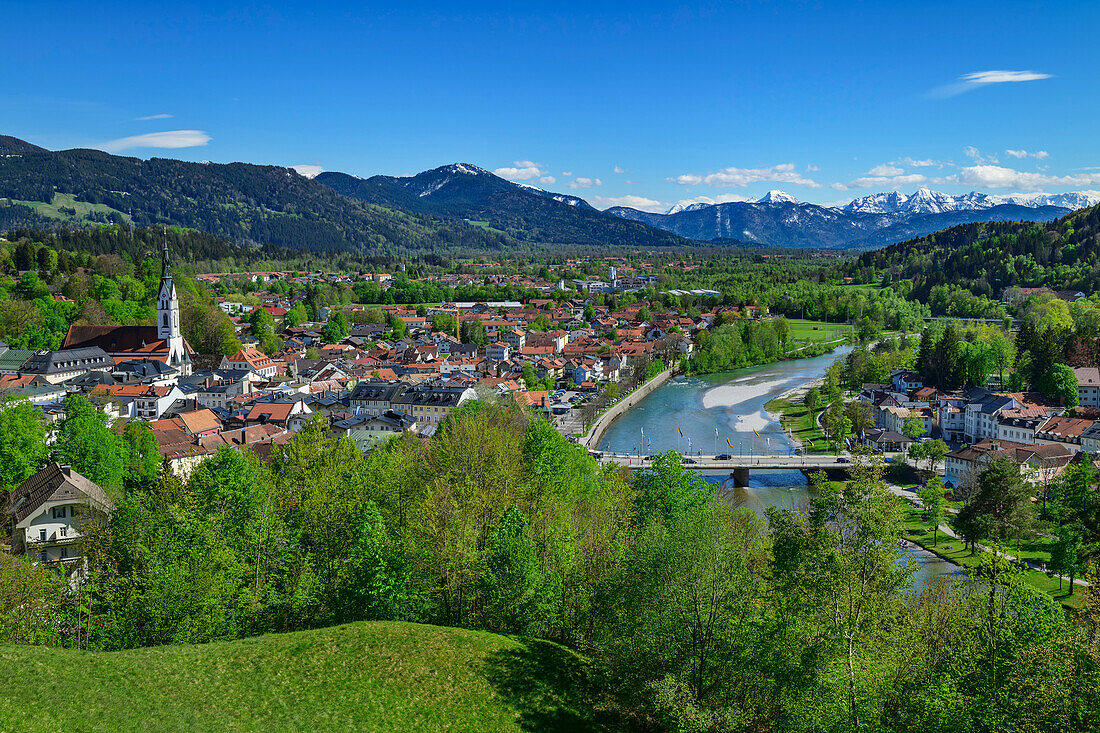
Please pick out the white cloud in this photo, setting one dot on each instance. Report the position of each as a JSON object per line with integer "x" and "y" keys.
{"x": 1038, "y": 154}
{"x": 812, "y": 168}
{"x": 995, "y": 176}
{"x": 722, "y": 198}
{"x": 885, "y": 170}
{"x": 172, "y": 139}
{"x": 893, "y": 181}
{"x": 783, "y": 173}
{"x": 912, "y": 163}
{"x": 521, "y": 170}
{"x": 567, "y": 173}
{"x": 620, "y": 169}
{"x": 976, "y": 79}
{"x": 635, "y": 202}
{"x": 887, "y": 175}
{"x": 584, "y": 183}
{"x": 161, "y": 116}
{"x": 548, "y": 180}
{"x": 1000, "y": 77}
{"x": 309, "y": 170}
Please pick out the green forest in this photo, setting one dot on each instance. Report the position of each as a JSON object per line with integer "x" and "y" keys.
{"x": 695, "y": 615}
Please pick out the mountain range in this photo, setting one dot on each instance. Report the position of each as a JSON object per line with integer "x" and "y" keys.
{"x": 878, "y": 220}
{"x": 458, "y": 207}
{"x": 467, "y": 192}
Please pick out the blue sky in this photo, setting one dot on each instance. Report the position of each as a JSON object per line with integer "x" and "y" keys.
{"x": 638, "y": 103}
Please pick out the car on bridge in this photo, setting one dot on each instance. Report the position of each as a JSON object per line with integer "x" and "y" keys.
{"x": 690, "y": 460}
{"x": 723, "y": 457}
{"x": 842, "y": 459}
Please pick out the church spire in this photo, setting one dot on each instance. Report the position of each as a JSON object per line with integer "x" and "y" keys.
{"x": 165, "y": 263}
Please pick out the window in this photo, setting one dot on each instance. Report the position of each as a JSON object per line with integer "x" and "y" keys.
{"x": 59, "y": 512}
{"x": 41, "y": 535}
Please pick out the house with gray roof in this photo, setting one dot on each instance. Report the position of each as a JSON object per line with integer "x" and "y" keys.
{"x": 49, "y": 514}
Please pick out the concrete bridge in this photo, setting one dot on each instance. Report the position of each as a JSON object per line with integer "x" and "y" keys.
{"x": 738, "y": 465}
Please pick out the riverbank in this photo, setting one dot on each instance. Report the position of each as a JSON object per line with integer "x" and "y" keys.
{"x": 603, "y": 422}
{"x": 795, "y": 419}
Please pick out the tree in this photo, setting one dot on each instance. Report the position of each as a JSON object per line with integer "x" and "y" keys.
{"x": 812, "y": 399}
{"x": 510, "y": 581}
{"x": 88, "y": 445}
{"x": 22, "y": 442}
{"x": 932, "y": 497}
{"x": 1067, "y": 554}
{"x": 837, "y": 572}
{"x": 1060, "y": 383}
{"x": 1002, "y": 508}
{"x": 935, "y": 451}
{"x": 336, "y": 330}
{"x": 1003, "y": 354}
{"x": 913, "y": 427}
{"x": 443, "y": 322}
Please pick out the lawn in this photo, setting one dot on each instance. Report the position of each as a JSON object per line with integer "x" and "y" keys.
{"x": 362, "y": 676}
{"x": 805, "y": 331}
{"x": 795, "y": 417}
{"x": 67, "y": 200}
{"x": 954, "y": 550}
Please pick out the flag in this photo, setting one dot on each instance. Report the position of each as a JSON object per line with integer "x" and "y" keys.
{"x": 716, "y": 432}
{"x": 729, "y": 443}
{"x": 757, "y": 434}
{"x": 681, "y": 432}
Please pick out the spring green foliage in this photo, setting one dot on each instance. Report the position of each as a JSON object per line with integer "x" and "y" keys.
{"x": 22, "y": 442}
{"x": 104, "y": 289}
{"x": 696, "y": 615}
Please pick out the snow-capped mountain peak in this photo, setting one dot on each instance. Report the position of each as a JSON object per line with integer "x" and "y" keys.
{"x": 685, "y": 206}
{"x": 465, "y": 169}
{"x": 777, "y": 197}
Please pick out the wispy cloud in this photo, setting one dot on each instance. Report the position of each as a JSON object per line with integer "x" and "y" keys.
{"x": 740, "y": 177}
{"x": 978, "y": 157}
{"x": 1037, "y": 154}
{"x": 309, "y": 170}
{"x": 584, "y": 183}
{"x": 170, "y": 139}
{"x": 976, "y": 79}
{"x": 918, "y": 163}
{"x": 619, "y": 169}
{"x": 161, "y": 116}
{"x": 548, "y": 180}
{"x": 521, "y": 170}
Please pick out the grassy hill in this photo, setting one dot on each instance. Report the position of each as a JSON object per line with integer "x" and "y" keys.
{"x": 364, "y": 676}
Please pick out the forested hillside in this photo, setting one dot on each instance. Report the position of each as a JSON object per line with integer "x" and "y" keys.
{"x": 987, "y": 258}
{"x": 247, "y": 204}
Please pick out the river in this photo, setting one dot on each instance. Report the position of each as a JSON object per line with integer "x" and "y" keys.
{"x": 684, "y": 414}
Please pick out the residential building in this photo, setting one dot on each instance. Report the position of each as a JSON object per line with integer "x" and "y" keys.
{"x": 49, "y": 514}
{"x": 252, "y": 359}
{"x": 1088, "y": 386}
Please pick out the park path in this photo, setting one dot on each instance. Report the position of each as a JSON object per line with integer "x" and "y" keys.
{"x": 911, "y": 496}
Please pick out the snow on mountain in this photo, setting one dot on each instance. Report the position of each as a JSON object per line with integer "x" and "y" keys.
{"x": 925, "y": 201}
{"x": 777, "y": 197}
{"x": 1071, "y": 200}
{"x": 677, "y": 208}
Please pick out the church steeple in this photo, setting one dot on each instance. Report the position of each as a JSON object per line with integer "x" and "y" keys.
{"x": 168, "y": 304}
